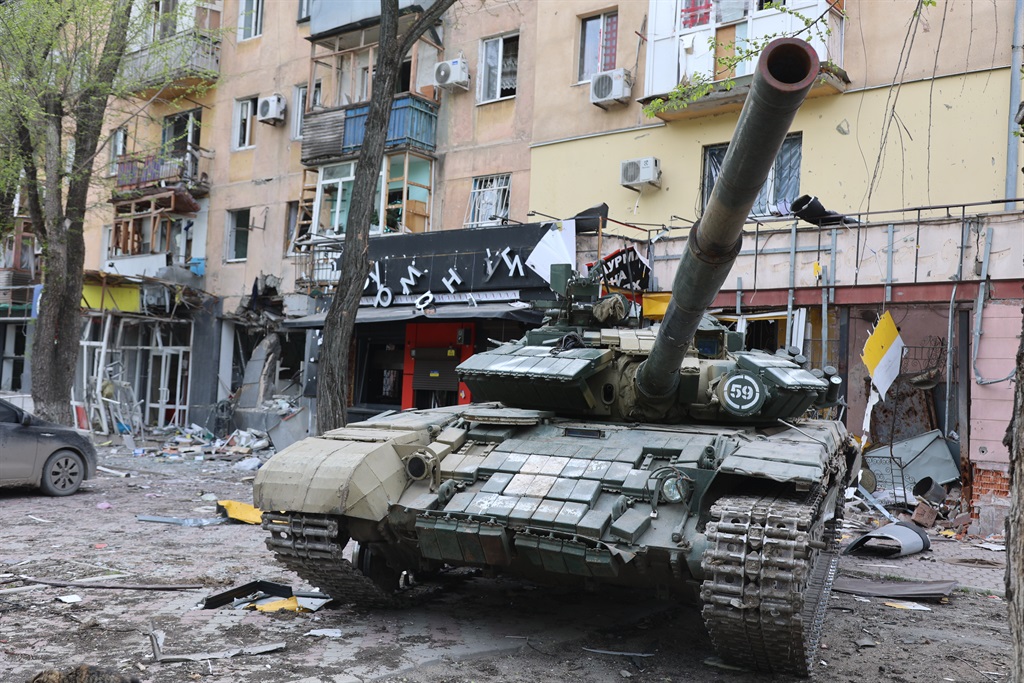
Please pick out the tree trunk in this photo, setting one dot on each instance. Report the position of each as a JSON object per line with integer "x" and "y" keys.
{"x": 56, "y": 334}
{"x": 1015, "y": 522}
{"x": 339, "y": 325}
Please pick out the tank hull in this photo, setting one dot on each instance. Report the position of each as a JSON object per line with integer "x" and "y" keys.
{"x": 563, "y": 501}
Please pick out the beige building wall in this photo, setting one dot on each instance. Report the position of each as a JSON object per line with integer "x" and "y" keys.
{"x": 263, "y": 178}
{"x": 477, "y": 139}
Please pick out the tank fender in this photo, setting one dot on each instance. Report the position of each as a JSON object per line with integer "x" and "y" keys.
{"x": 358, "y": 479}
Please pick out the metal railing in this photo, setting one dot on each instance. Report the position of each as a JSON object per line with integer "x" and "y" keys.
{"x": 145, "y": 169}
{"x": 189, "y": 54}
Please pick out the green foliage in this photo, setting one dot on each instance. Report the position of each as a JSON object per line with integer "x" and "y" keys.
{"x": 52, "y": 71}
{"x": 696, "y": 86}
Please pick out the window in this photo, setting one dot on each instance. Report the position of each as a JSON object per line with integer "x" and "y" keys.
{"x": 303, "y": 10}
{"x": 250, "y": 19}
{"x": 238, "y": 235}
{"x": 781, "y": 187}
{"x": 694, "y": 13}
{"x": 598, "y": 44}
{"x": 118, "y": 147}
{"x": 489, "y": 200}
{"x": 292, "y": 218}
{"x": 245, "y": 118}
{"x": 164, "y": 19}
{"x": 500, "y": 62}
{"x": 301, "y": 93}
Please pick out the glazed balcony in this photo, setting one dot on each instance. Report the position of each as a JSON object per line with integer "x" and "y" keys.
{"x": 331, "y": 134}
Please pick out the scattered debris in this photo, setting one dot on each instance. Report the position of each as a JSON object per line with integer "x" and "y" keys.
{"x": 998, "y": 547}
{"x": 976, "y": 562}
{"x": 109, "y": 586}
{"x": 40, "y": 519}
{"x": 907, "y": 462}
{"x": 909, "y": 539}
{"x": 267, "y": 596}
{"x": 69, "y": 599}
{"x": 865, "y": 642}
{"x": 180, "y": 521}
{"x": 921, "y": 590}
{"x": 325, "y": 632}
{"x": 103, "y": 506}
{"x": 156, "y": 639}
{"x": 909, "y": 605}
{"x": 197, "y": 443}
{"x": 242, "y": 512}
{"x": 115, "y": 473}
{"x": 612, "y": 652}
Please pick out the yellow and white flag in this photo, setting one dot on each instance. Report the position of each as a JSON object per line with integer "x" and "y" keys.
{"x": 883, "y": 353}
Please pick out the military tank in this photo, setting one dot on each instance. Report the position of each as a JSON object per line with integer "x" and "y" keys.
{"x": 599, "y": 452}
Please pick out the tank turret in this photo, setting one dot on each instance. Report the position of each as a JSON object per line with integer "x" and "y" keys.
{"x": 589, "y": 362}
{"x": 599, "y": 452}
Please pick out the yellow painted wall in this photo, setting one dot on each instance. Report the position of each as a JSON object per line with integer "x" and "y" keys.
{"x": 124, "y": 298}
{"x": 949, "y": 146}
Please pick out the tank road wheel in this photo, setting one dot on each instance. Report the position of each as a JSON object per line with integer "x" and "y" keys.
{"x": 768, "y": 572}
{"x": 374, "y": 566}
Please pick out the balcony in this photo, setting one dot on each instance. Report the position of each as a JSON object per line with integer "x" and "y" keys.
{"x": 160, "y": 168}
{"x": 332, "y": 134}
{"x": 189, "y": 56}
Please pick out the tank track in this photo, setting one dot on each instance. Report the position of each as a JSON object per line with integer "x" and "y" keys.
{"x": 769, "y": 568}
{"x": 312, "y": 546}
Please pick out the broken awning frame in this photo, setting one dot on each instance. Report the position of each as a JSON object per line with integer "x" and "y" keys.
{"x": 501, "y": 311}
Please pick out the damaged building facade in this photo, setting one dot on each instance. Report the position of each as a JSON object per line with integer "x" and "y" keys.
{"x": 227, "y": 205}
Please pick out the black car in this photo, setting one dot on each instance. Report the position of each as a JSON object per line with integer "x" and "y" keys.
{"x": 34, "y": 452}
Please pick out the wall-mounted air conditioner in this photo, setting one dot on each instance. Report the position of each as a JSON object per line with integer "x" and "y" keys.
{"x": 271, "y": 109}
{"x": 635, "y": 173}
{"x": 609, "y": 88}
{"x": 452, "y": 74}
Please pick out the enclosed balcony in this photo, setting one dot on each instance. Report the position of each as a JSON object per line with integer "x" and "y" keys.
{"x": 184, "y": 59}
{"x": 331, "y": 134}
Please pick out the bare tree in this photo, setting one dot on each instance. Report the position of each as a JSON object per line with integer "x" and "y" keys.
{"x": 1014, "y": 440}
{"x": 60, "y": 65}
{"x": 333, "y": 374}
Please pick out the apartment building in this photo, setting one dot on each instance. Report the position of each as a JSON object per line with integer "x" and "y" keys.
{"x": 229, "y": 195}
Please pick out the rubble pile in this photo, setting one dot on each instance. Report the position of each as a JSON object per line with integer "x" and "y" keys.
{"x": 197, "y": 443}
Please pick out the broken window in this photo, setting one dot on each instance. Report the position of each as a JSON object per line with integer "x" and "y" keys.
{"x": 780, "y": 188}
{"x": 499, "y": 68}
{"x": 489, "y": 200}
{"x": 238, "y": 234}
{"x": 598, "y": 44}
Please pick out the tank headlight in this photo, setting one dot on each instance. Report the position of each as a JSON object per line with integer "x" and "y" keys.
{"x": 672, "y": 490}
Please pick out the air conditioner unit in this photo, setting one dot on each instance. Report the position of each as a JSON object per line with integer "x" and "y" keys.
{"x": 635, "y": 173}
{"x": 271, "y": 109}
{"x": 452, "y": 74}
{"x": 609, "y": 88}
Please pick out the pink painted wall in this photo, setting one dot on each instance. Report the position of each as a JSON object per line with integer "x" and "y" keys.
{"x": 992, "y": 404}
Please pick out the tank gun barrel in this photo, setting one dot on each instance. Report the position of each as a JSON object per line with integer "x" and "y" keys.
{"x": 785, "y": 72}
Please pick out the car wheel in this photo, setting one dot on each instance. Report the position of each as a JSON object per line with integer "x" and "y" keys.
{"x": 63, "y": 473}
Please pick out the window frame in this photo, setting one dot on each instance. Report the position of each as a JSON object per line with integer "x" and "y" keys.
{"x": 303, "y": 11}
{"x": 299, "y": 96}
{"x": 771, "y": 185}
{"x": 230, "y": 244}
{"x": 336, "y": 227}
{"x": 244, "y": 121}
{"x": 600, "y": 66}
{"x": 118, "y": 147}
{"x": 250, "y": 19}
{"x": 483, "y": 97}
{"x": 473, "y": 208}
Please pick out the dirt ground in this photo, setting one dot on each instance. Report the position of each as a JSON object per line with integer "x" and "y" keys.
{"x": 480, "y": 630}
